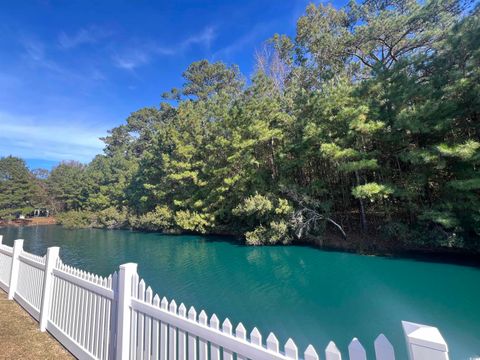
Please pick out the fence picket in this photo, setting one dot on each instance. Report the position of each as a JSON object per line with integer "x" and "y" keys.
{"x": 91, "y": 304}
{"x": 227, "y": 329}
{"x": 241, "y": 333}
{"x": 356, "y": 350}
{"x": 202, "y": 344}
{"x": 172, "y": 333}
{"x": 214, "y": 349}
{"x": 272, "y": 343}
{"x": 332, "y": 352}
{"x": 133, "y": 321}
{"x": 310, "y": 353}
{"x": 291, "y": 350}
{"x": 148, "y": 326}
{"x": 74, "y": 300}
{"x": 141, "y": 322}
{"x": 164, "y": 333}
{"x": 155, "y": 331}
{"x": 192, "y": 339}
{"x": 98, "y": 281}
{"x": 383, "y": 348}
{"x": 256, "y": 337}
{"x": 182, "y": 337}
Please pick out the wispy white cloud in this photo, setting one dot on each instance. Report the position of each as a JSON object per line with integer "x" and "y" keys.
{"x": 259, "y": 31}
{"x": 36, "y": 53}
{"x": 141, "y": 54}
{"x": 34, "y": 49}
{"x": 86, "y": 35}
{"x": 62, "y": 139}
{"x": 204, "y": 38}
{"x": 131, "y": 59}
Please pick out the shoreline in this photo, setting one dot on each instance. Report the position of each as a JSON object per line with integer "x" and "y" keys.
{"x": 38, "y": 221}
{"x": 360, "y": 244}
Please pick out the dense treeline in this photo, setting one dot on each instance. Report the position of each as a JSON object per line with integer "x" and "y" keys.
{"x": 366, "y": 122}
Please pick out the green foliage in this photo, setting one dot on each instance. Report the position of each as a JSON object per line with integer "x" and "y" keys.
{"x": 76, "y": 219}
{"x": 368, "y": 118}
{"x": 274, "y": 233}
{"x": 256, "y": 205}
{"x": 160, "y": 219}
{"x": 67, "y": 185}
{"x": 111, "y": 218}
{"x": 193, "y": 221}
{"x": 20, "y": 191}
{"x": 372, "y": 191}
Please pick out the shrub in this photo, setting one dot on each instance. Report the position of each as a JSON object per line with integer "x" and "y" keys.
{"x": 159, "y": 219}
{"x": 77, "y": 219}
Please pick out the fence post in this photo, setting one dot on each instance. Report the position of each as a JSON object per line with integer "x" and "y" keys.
{"x": 17, "y": 249}
{"x": 124, "y": 295}
{"x": 424, "y": 342}
{"x": 50, "y": 262}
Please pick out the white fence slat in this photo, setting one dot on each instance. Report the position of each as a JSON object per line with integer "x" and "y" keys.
{"x": 70, "y": 308}
{"x": 356, "y": 350}
{"x": 227, "y": 329}
{"x": 214, "y": 348}
{"x": 272, "y": 343}
{"x": 332, "y": 352}
{"x": 202, "y": 344}
{"x": 240, "y": 333}
{"x": 172, "y": 334}
{"x": 182, "y": 336}
{"x": 90, "y": 318}
{"x": 133, "y": 320}
{"x": 63, "y": 308}
{"x": 383, "y": 348}
{"x": 310, "y": 353}
{"x": 291, "y": 350}
{"x": 75, "y": 306}
{"x": 81, "y": 311}
{"x": 192, "y": 339}
{"x": 164, "y": 333}
{"x": 256, "y": 337}
{"x": 140, "y": 322}
{"x": 98, "y": 308}
{"x": 156, "y": 331}
{"x": 53, "y": 303}
{"x": 101, "y": 326}
{"x": 112, "y": 316}
{"x": 93, "y": 309}
{"x": 148, "y": 326}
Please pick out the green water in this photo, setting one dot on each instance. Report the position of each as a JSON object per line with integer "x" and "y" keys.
{"x": 311, "y": 295}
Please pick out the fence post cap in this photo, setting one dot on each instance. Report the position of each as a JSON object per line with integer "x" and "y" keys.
{"x": 424, "y": 335}
{"x": 129, "y": 266}
{"x": 53, "y": 250}
{"x": 18, "y": 241}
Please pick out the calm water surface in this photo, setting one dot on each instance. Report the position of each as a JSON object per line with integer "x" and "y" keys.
{"x": 311, "y": 295}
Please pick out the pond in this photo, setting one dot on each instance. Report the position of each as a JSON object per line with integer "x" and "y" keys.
{"x": 311, "y": 295}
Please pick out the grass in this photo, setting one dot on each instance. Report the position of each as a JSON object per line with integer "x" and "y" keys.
{"x": 20, "y": 337}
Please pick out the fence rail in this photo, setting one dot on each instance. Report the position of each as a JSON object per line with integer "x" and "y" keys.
{"x": 120, "y": 317}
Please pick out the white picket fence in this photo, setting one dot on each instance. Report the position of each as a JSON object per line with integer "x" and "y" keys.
{"x": 119, "y": 317}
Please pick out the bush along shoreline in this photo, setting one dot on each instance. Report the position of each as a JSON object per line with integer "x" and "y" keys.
{"x": 364, "y": 126}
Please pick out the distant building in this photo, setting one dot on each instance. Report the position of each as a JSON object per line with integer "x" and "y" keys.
{"x": 42, "y": 212}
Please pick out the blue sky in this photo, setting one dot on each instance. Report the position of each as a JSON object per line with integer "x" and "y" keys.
{"x": 71, "y": 70}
